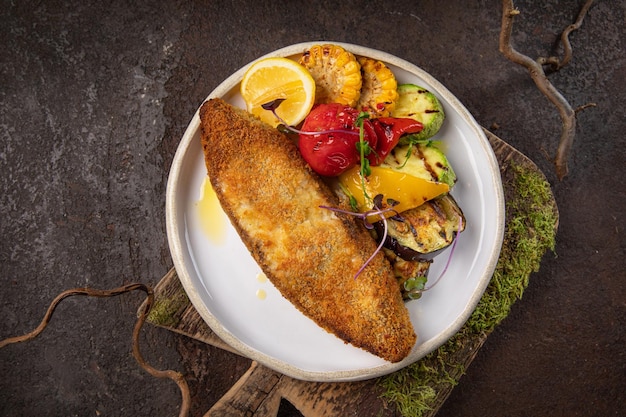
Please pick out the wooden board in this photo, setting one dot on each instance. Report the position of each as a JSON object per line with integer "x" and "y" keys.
{"x": 259, "y": 391}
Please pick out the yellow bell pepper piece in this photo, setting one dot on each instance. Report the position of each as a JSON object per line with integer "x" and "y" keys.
{"x": 407, "y": 190}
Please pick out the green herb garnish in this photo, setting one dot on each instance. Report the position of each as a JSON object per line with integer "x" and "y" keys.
{"x": 364, "y": 149}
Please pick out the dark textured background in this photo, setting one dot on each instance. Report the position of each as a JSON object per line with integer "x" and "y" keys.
{"x": 94, "y": 97}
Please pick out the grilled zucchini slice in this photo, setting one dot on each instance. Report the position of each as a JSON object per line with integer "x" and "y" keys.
{"x": 422, "y": 160}
{"x": 420, "y": 104}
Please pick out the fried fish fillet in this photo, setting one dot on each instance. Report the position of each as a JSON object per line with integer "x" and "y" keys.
{"x": 310, "y": 254}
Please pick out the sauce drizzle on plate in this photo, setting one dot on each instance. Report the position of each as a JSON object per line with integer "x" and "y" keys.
{"x": 210, "y": 213}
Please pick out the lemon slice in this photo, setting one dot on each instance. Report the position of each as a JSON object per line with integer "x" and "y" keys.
{"x": 273, "y": 78}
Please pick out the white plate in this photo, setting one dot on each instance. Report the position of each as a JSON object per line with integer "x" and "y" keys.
{"x": 221, "y": 278}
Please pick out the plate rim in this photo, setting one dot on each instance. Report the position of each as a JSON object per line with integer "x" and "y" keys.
{"x": 176, "y": 245}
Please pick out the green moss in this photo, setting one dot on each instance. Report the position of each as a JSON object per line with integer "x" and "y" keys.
{"x": 163, "y": 312}
{"x": 530, "y": 230}
{"x": 411, "y": 397}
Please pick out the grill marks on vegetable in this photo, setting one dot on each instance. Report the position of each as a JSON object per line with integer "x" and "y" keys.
{"x": 420, "y": 154}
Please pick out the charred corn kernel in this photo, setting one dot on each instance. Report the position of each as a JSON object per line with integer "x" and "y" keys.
{"x": 379, "y": 88}
{"x": 336, "y": 72}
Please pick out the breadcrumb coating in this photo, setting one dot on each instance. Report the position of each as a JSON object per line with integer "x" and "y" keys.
{"x": 310, "y": 254}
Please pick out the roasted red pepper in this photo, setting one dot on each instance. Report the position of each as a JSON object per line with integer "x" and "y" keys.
{"x": 388, "y": 130}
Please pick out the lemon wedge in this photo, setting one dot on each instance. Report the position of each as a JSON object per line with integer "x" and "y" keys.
{"x": 272, "y": 78}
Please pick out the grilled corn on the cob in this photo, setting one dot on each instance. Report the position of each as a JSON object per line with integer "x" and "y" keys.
{"x": 379, "y": 90}
{"x": 336, "y": 72}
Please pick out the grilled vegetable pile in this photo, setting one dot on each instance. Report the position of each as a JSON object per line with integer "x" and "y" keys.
{"x": 374, "y": 139}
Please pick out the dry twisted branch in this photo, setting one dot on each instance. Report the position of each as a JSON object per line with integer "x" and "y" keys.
{"x": 537, "y": 73}
{"x": 173, "y": 375}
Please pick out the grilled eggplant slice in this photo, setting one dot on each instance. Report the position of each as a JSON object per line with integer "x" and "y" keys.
{"x": 429, "y": 227}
